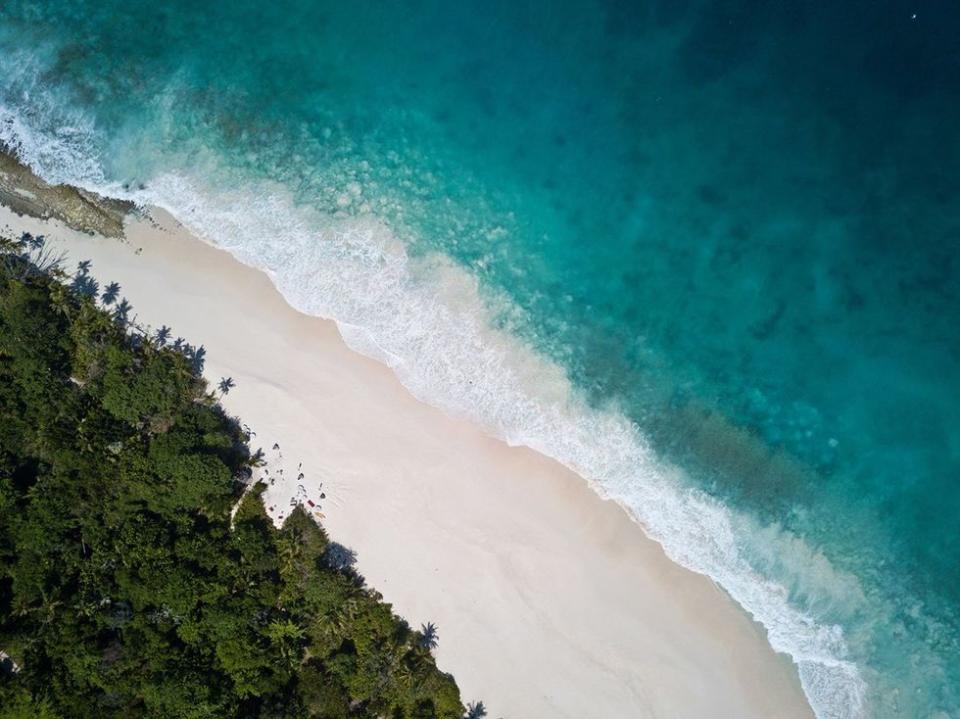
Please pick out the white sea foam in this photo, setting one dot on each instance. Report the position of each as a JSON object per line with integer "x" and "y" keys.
{"x": 56, "y": 142}
{"x": 426, "y": 319}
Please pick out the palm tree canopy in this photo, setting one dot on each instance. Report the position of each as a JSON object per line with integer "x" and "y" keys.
{"x": 31, "y": 241}
{"x": 429, "y": 638}
{"x": 85, "y": 285}
{"x": 339, "y": 557}
{"x": 476, "y": 710}
{"x": 110, "y": 293}
{"x": 122, "y": 311}
{"x": 199, "y": 357}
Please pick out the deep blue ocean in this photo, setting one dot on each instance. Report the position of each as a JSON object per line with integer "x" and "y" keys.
{"x": 705, "y": 252}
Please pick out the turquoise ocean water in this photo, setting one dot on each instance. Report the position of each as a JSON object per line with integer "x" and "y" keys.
{"x": 707, "y": 253}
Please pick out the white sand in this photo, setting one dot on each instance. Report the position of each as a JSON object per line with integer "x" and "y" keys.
{"x": 550, "y": 601}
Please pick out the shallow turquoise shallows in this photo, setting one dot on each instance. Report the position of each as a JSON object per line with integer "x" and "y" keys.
{"x": 716, "y": 236}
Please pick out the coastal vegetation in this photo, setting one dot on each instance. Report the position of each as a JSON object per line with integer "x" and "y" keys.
{"x": 140, "y": 575}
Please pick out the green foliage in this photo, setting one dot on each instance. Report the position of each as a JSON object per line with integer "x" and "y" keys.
{"x": 19, "y": 704}
{"x": 126, "y": 590}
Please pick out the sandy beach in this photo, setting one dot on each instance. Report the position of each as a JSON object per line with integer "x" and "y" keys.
{"x": 550, "y": 602}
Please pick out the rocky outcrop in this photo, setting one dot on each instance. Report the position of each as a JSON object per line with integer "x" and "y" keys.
{"x": 26, "y": 194}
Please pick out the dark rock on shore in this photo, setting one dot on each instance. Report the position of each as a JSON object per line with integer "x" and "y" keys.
{"x": 26, "y": 194}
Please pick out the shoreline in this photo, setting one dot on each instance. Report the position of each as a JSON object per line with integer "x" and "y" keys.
{"x": 550, "y": 600}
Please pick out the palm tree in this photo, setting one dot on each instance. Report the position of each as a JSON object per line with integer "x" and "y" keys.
{"x": 287, "y": 636}
{"x": 47, "y": 261}
{"x": 290, "y": 553}
{"x": 226, "y": 384}
{"x": 339, "y": 557}
{"x": 163, "y": 334}
{"x": 122, "y": 312}
{"x": 38, "y": 257}
{"x": 338, "y": 620}
{"x": 110, "y": 293}
{"x": 476, "y": 710}
{"x": 428, "y": 636}
{"x": 197, "y": 358}
{"x": 257, "y": 460}
{"x": 34, "y": 243}
{"x": 85, "y": 285}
